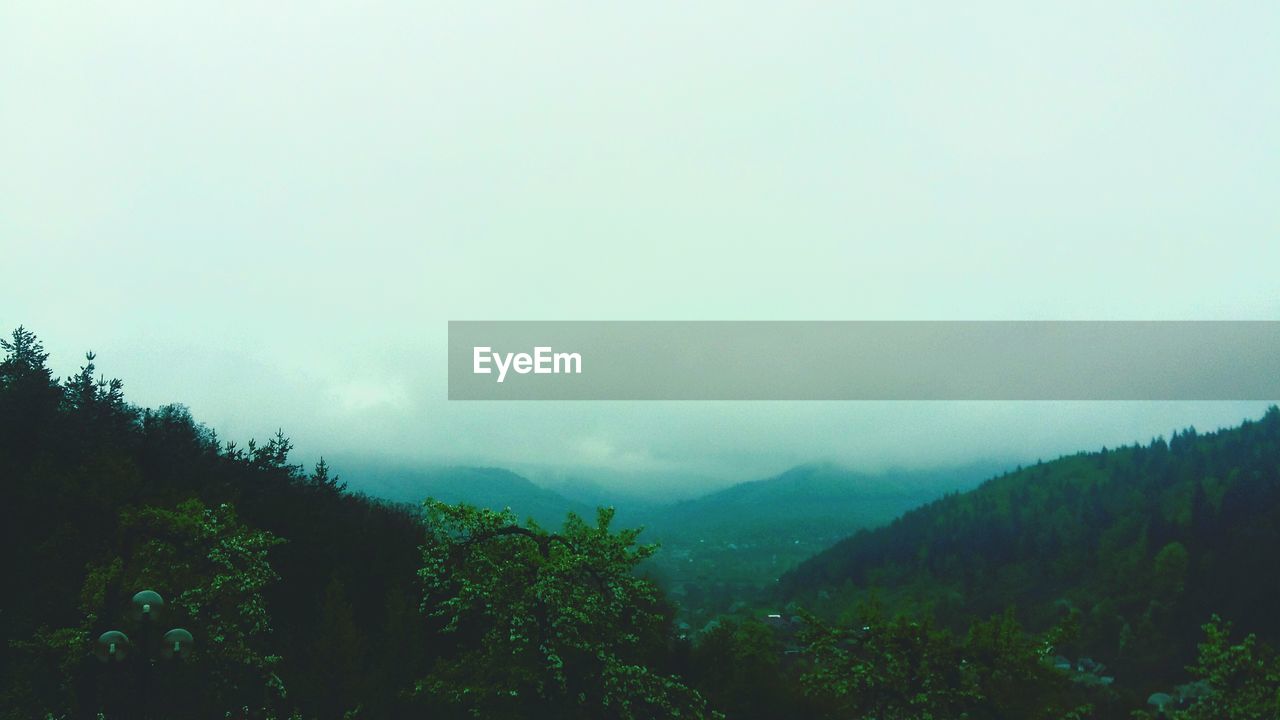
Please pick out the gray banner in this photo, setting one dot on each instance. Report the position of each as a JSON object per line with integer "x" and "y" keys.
{"x": 864, "y": 360}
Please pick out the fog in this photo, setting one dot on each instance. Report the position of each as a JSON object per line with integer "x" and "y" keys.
{"x": 268, "y": 212}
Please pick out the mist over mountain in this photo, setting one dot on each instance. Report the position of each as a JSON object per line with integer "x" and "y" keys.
{"x": 816, "y": 498}
{"x": 487, "y": 487}
{"x": 716, "y": 549}
{"x": 810, "y": 505}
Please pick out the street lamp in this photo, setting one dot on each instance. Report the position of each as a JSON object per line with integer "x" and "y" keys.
{"x": 147, "y": 605}
{"x": 112, "y": 645}
{"x": 175, "y": 643}
{"x": 115, "y": 646}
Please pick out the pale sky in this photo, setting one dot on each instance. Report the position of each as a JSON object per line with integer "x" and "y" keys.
{"x": 268, "y": 211}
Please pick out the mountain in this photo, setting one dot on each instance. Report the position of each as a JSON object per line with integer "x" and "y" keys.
{"x": 286, "y": 580}
{"x": 488, "y": 487}
{"x": 726, "y": 547}
{"x": 717, "y": 548}
{"x": 1134, "y": 547}
{"x": 817, "y": 503}
{"x": 813, "y": 500}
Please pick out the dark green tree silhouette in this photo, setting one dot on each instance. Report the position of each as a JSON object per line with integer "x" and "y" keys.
{"x": 1240, "y": 680}
{"x": 544, "y": 624}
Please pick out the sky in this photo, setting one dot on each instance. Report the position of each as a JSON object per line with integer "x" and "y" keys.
{"x": 269, "y": 211}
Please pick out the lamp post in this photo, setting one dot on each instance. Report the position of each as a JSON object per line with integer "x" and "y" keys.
{"x": 115, "y": 647}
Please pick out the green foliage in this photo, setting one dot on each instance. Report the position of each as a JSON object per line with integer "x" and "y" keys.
{"x": 889, "y": 668}
{"x": 1140, "y": 543}
{"x": 1118, "y": 555}
{"x": 738, "y": 665}
{"x": 215, "y": 570}
{"x": 543, "y": 624}
{"x": 102, "y": 498}
{"x": 1012, "y": 675}
{"x": 1171, "y": 566}
{"x": 211, "y": 570}
{"x": 1241, "y": 680}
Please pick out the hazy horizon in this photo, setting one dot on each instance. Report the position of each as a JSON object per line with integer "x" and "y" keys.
{"x": 878, "y": 437}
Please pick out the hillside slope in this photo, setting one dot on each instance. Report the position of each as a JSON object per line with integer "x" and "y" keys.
{"x": 728, "y": 546}
{"x": 814, "y": 499}
{"x": 1139, "y": 545}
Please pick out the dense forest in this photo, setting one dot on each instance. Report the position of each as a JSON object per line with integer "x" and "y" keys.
{"x": 306, "y": 600}
{"x": 1134, "y": 546}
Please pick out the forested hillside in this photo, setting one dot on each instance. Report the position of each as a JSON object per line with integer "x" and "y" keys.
{"x": 304, "y": 600}
{"x": 102, "y": 499}
{"x": 820, "y": 497}
{"x": 1137, "y": 545}
{"x": 728, "y": 546}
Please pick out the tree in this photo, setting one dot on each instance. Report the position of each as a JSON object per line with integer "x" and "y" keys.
{"x": 887, "y": 669}
{"x": 31, "y": 394}
{"x": 900, "y": 669}
{"x": 322, "y": 480}
{"x": 211, "y": 569}
{"x": 85, "y": 393}
{"x": 24, "y": 357}
{"x": 1243, "y": 679}
{"x": 738, "y": 666}
{"x": 1171, "y": 567}
{"x": 543, "y": 624}
{"x": 338, "y": 653}
{"x": 1011, "y": 675}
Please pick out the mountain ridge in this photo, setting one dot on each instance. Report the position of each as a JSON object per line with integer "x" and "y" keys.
{"x": 1137, "y": 546}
